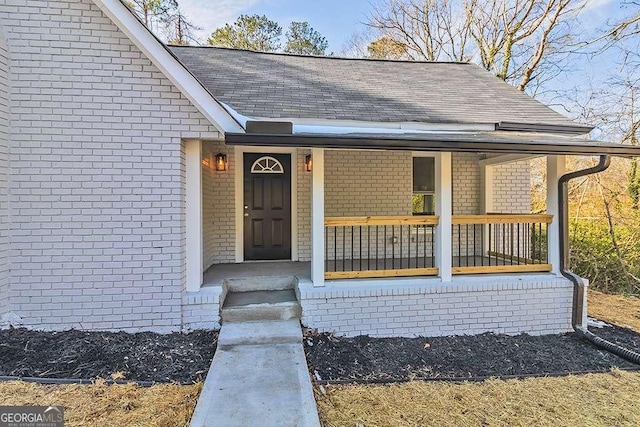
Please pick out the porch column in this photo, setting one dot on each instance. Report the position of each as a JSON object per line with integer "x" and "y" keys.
{"x": 317, "y": 217}
{"x": 444, "y": 193}
{"x": 555, "y": 169}
{"x": 193, "y": 174}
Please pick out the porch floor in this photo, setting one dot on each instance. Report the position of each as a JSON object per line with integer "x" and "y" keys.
{"x": 218, "y": 273}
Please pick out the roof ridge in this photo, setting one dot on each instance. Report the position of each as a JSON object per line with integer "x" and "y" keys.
{"x": 344, "y": 58}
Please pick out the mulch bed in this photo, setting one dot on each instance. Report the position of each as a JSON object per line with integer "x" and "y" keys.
{"x": 363, "y": 358}
{"x": 183, "y": 358}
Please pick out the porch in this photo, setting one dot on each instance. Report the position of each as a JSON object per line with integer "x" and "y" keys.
{"x": 357, "y": 222}
{"x": 362, "y": 263}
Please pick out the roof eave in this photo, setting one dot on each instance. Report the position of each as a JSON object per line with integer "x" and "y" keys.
{"x": 425, "y": 143}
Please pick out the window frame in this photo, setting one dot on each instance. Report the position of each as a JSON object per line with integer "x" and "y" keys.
{"x": 415, "y": 154}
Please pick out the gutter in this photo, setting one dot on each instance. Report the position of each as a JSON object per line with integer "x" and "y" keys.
{"x": 578, "y": 283}
{"x": 473, "y": 141}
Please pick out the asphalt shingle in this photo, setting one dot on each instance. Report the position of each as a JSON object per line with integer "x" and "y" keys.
{"x": 289, "y": 86}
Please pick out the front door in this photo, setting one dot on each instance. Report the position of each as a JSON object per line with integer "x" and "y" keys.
{"x": 267, "y": 206}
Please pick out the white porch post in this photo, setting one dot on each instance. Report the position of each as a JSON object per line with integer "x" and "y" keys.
{"x": 317, "y": 217}
{"x": 555, "y": 169}
{"x": 193, "y": 155}
{"x": 444, "y": 192}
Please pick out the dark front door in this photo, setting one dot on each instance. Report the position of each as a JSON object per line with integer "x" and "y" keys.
{"x": 267, "y": 206}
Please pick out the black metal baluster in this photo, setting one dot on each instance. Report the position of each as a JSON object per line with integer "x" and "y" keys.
{"x": 393, "y": 247}
{"x": 518, "y": 225}
{"x": 335, "y": 248}
{"x": 344, "y": 248}
{"x": 401, "y": 245}
{"x": 424, "y": 246}
{"x": 433, "y": 246}
{"x": 459, "y": 244}
{"x": 368, "y": 247}
{"x": 489, "y": 254}
{"x": 504, "y": 243}
{"x": 377, "y": 247}
{"x": 417, "y": 251}
{"x": 540, "y": 231}
{"x": 482, "y": 245}
{"x": 326, "y": 249}
{"x": 360, "y": 252}
{"x": 466, "y": 243}
{"x": 533, "y": 244}
{"x": 511, "y": 240}
{"x": 409, "y": 247}
{"x": 352, "y": 248}
{"x": 473, "y": 252}
{"x": 385, "y": 247}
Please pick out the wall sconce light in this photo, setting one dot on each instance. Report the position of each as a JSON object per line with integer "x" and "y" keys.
{"x": 308, "y": 163}
{"x": 221, "y": 162}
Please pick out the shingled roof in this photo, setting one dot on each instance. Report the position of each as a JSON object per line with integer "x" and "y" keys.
{"x": 267, "y": 85}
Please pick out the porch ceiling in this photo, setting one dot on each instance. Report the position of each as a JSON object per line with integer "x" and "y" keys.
{"x": 480, "y": 141}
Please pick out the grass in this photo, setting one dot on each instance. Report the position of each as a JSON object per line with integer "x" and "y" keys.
{"x": 592, "y": 400}
{"x": 117, "y": 405}
{"x": 616, "y": 309}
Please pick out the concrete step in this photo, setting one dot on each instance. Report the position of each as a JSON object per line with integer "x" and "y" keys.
{"x": 260, "y": 333}
{"x": 265, "y": 311}
{"x": 237, "y": 299}
{"x": 261, "y": 305}
{"x": 260, "y": 283}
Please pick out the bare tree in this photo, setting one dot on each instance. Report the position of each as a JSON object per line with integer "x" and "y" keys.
{"x": 180, "y": 30}
{"x": 431, "y": 30}
{"x": 624, "y": 28}
{"x": 517, "y": 40}
{"x": 153, "y": 12}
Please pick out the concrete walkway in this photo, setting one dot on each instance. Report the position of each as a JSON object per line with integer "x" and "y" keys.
{"x": 258, "y": 377}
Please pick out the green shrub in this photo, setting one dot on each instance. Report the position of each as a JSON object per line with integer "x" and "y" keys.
{"x": 593, "y": 255}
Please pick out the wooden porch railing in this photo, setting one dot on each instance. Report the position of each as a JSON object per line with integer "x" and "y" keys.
{"x": 395, "y": 246}
{"x": 381, "y": 246}
{"x": 500, "y": 243}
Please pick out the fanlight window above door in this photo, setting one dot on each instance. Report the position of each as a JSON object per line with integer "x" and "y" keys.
{"x": 267, "y": 164}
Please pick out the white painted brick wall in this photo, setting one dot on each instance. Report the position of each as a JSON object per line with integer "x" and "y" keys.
{"x": 466, "y": 183}
{"x": 97, "y": 177}
{"x": 201, "y": 310}
{"x": 426, "y": 307}
{"x": 218, "y": 206}
{"x": 367, "y": 183}
{"x": 512, "y": 187}
{"x": 4, "y": 176}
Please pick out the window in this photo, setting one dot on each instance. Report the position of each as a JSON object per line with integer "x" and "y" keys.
{"x": 267, "y": 164}
{"x": 424, "y": 179}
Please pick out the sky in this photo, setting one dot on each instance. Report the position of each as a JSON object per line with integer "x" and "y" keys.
{"x": 336, "y": 20}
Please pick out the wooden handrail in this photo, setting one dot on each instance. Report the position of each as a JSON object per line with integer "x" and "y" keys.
{"x": 502, "y": 219}
{"x": 355, "y": 221}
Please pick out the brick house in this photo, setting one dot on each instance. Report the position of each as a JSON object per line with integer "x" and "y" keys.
{"x": 143, "y": 185}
